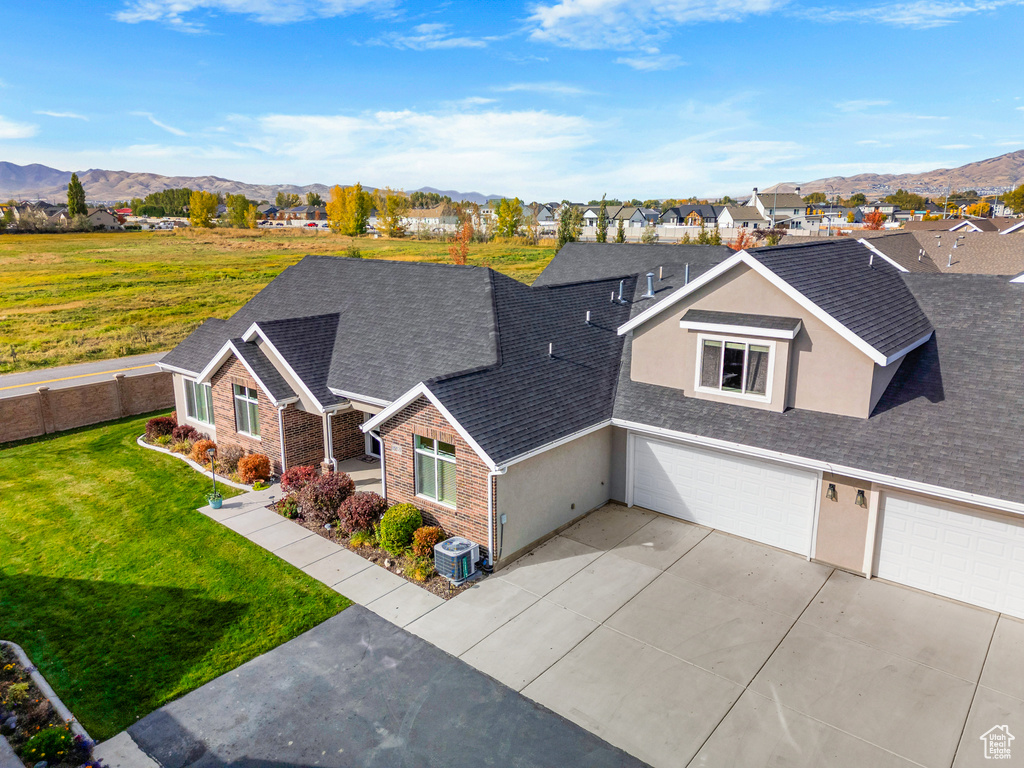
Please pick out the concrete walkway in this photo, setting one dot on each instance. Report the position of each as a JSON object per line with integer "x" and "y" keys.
{"x": 24, "y": 383}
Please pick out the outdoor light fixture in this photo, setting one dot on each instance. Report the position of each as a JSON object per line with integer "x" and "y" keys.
{"x": 861, "y": 500}
{"x": 830, "y": 494}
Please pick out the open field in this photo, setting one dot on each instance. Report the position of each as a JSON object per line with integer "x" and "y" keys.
{"x": 122, "y": 594}
{"x": 69, "y": 298}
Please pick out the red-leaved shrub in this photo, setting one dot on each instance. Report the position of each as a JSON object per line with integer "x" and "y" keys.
{"x": 185, "y": 432}
{"x": 255, "y": 466}
{"x": 159, "y": 426}
{"x": 296, "y": 478}
{"x": 199, "y": 449}
{"x": 360, "y": 511}
{"x": 424, "y": 539}
{"x": 320, "y": 498}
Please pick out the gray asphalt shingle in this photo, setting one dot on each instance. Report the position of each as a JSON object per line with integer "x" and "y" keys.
{"x": 597, "y": 261}
{"x": 767, "y": 322}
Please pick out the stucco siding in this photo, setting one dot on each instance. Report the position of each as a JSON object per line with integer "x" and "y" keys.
{"x": 544, "y": 493}
{"x": 617, "y": 485}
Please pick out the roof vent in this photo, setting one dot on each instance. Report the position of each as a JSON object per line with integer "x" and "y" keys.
{"x": 661, "y": 274}
{"x": 686, "y": 275}
{"x": 588, "y": 317}
{"x": 755, "y": 190}
{"x": 621, "y": 300}
{"x": 871, "y": 260}
{"x": 551, "y": 349}
{"x": 650, "y": 287}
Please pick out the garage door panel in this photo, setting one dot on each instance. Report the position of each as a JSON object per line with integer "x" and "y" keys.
{"x": 754, "y": 499}
{"x": 953, "y": 551}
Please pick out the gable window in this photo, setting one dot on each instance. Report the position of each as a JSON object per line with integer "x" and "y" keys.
{"x": 435, "y": 470}
{"x": 199, "y": 401}
{"x": 734, "y": 367}
{"x": 247, "y": 414}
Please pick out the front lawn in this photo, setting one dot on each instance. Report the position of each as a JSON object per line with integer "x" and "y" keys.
{"x": 122, "y": 594}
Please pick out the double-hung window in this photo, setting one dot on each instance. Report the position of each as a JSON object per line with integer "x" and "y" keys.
{"x": 199, "y": 401}
{"x": 435, "y": 470}
{"x": 734, "y": 367}
{"x": 247, "y": 413}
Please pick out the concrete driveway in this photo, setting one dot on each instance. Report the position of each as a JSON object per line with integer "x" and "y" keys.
{"x": 685, "y": 646}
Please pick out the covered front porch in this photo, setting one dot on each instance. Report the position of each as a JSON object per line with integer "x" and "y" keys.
{"x": 365, "y": 471}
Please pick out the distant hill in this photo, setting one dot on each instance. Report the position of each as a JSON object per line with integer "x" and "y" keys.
{"x": 44, "y": 183}
{"x": 991, "y": 176}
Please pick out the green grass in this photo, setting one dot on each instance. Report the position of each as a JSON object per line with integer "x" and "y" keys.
{"x": 73, "y": 297}
{"x": 122, "y": 594}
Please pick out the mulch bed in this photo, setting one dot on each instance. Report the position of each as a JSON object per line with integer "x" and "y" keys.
{"x": 437, "y": 585}
{"x": 24, "y": 705}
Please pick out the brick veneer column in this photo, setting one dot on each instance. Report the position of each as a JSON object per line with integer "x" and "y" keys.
{"x": 469, "y": 519}
{"x": 269, "y": 442}
{"x": 348, "y": 439}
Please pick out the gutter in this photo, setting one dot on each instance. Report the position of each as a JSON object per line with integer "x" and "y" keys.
{"x": 490, "y": 513}
{"x": 280, "y": 431}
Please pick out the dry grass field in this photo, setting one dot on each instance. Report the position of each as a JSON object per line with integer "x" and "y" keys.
{"x": 67, "y": 298}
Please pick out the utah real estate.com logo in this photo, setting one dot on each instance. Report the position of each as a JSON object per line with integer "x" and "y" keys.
{"x": 997, "y": 742}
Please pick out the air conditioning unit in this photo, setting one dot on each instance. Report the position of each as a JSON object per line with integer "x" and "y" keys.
{"x": 456, "y": 558}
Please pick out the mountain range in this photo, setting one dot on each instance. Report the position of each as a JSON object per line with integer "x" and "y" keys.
{"x": 40, "y": 182}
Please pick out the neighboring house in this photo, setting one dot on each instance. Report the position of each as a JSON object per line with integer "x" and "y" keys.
{"x": 631, "y": 216}
{"x": 878, "y": 206}
{"x": 742, "y": 217}
{"x": 777, "y": 206}
{"x": 101, "y": 218}
{"x": 815, "y": 398}
{"x": 1012, "y": 227}
{"x": 985, "y": 253}
{"x": 266, "y": 211}
{"x": 691, "y": 216}
{"x": 975, "y": 225}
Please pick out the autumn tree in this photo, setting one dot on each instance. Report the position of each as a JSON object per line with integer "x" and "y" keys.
{"x": 743, "y": 241}
{"x": 570, "y": 224}
{"x": 602, "y": 222}
{"x": 314, "y": 199}
{"x": 391, "y": 209}
{"x": 202, "y": 207}
{"x": 348, "y": 210}
{"x": 1015, "y": 199}
{"x": 509, "y": 217}
{"x": 874, "y": 220}
{"x": 76, "y": 198}
{"x": 286, "y": 200}
{"x": 815, "y": 198}
{"x": 620, "y": 232}
{"x": 238, "y": 210}
{"x": 252, "y": 216}
{"x": 980, "y": 208}
{"x": 458, "y": 249}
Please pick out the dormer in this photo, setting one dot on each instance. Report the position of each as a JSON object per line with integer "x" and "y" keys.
{"x": 820, "y": 327}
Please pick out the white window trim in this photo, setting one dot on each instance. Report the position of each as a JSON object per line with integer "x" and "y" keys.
{"x": 247, "y": 401}
{"x": 766, "y": 397}
{"x": 436, "y": 457}
{"x": 209, "y": 402}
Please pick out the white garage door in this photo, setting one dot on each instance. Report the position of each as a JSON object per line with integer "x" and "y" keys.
{"x": 973, "y": 557}
{"x": 758, "y": 500}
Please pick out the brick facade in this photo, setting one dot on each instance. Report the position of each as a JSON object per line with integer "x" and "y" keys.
{"x": 348, "y": 440}
{"x": 469, "y": 519}
{"x": 269, "y": 441}
{"x": 303, "y": 438}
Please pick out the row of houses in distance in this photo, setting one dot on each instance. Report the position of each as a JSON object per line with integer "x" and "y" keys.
{"x": 42, "y": 215}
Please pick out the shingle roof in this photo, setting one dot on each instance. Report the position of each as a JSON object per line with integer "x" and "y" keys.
{"x": 784, "y": 200}
{"x": 398, "y": 323}
{"x": 937, "y": 422}
{"x": 306, "y": 343}
{"x": 743, "y": 212}
{"x": 861, "y": 291}
{"x": 988, "y": 253}
{"x": 264, "y": 369}
{"x": 595, "y": 261}
{"x": 530, "y": 399}
{"x": 767, "y": 322}
{"x": 903, "y": 248}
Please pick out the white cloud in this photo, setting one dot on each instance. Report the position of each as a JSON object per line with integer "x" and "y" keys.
{"x": 1020, "y": 109}
{"x": 475, "y": 101}
{"x": 9, "y": 129}
{"x": 560, "y": 89}
{"x": 919, "y": 14}
{"x": 69, "y": 115}
{"x": 158, "y": 124}
{"x": 623, "y": 24}
{"x": 955, "y": 146}
{"x": 651, "y": 62}
{"x": 175, "y": 13}
{"x": 428, "y": 37}
{"x": 869, "y": 141}
{"x": 859, "y": 105}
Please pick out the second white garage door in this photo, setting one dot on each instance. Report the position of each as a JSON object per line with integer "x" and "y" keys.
{"x": 973, "y": 557}
{"x": 759, "y": 500}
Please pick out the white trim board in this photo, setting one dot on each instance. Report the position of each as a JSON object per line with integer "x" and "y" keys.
{"x": 913, "y": 486}
{"x": 221, "y": 357}
{"x": 1012, "y": 228}
{"x": 743, "y": 330}
{"x": 254, "y": 330}
{"x": 173, "y": 369}
{"x": 867, "y": 244}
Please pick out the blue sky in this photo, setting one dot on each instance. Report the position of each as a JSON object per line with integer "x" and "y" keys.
{"x": 544, "y": 99}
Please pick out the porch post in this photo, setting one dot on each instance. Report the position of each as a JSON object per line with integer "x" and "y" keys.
{"x": 328, "y": 464}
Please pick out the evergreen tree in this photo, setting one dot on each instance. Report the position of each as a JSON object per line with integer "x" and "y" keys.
{"x": 76, "y": 198}
{"x": 620, "y": 233}
{"x": 602, "y": 221}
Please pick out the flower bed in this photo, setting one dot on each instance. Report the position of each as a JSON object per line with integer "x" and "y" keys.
{"x": 30, "y": 722}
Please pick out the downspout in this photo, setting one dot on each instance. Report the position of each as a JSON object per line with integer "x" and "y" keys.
{"x": 280, "y": 431}
{"x": 490, "y": 515}
{"x": 329, "y": 442}
{"x": 383, "y": 466}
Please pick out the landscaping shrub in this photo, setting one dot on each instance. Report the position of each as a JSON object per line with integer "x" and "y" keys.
{"x": 296, "y": 478}
{"x": 424, "y": 539}
{"x": 54, "y": 745}
{"x": 421, "y": 569}
{"x": 199, "y": 449}
{"x": 159, "y": 426}
{"x": 363, "y": 539}
{"x": 185, "y": 432}
{"x": 320, "y": 498}
{"x": 397, "y": 527}
{"x": 17, "y": 693}
{"x": 181, "y": 446}
{"x": 360, "y": 511}
{"x": 255, "y": 466}
{"x": 228, "y": 458}
{"x": 288, "y": 507}
{"x": 164, "y": 440}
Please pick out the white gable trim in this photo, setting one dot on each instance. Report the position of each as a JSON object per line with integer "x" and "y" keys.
{"x": 970, "y": 224}
{"x": 360, "y": 398}
{"x": 1018, "y": 279}
{"x": 252, "y": 332}
{"x": 173, "y": 369}
{"x": 867, "y": 244}
{"x": 221, "y": 357}
{"x": 907, "y": 349}
{"x": 421, "y": 390}
{"x": 1014, "y": 228}
{"x": 743, "y": 330}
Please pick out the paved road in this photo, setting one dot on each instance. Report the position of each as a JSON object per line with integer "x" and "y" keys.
{"x": 12, "y": 384}
{"x": 358, "y": 691}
